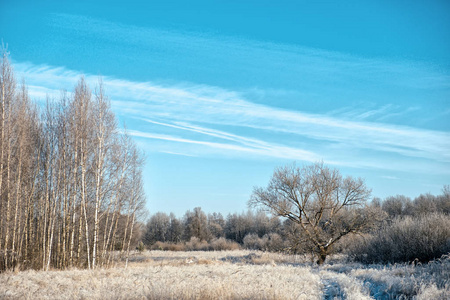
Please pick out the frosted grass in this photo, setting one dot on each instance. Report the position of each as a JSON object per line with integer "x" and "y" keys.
{"x": 171, "y": 275}
{"x": 238, "y": 274}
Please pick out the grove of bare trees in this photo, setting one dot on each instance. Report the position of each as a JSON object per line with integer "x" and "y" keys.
{"x": 71, "y": 188}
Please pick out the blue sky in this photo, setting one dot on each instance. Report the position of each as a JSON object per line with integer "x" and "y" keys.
{"x": 218, "y": 93}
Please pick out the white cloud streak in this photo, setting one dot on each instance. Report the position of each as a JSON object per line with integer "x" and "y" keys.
{"x": 231, "y": 123}
{"x": 182, "y": 108}
{"x": 270, "y": 150}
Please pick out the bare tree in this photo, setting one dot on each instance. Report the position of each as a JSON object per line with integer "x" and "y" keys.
{"x": 7, "y": 95}
{"x": 196, "y": 224}
{"x": 216, "y": 225}
{"x": 176, "y": 229}
{"x": 238, "y": 226}
{"x": 136, "y": 197}
{"x": 105, "y": 127}
{"x": 444, "y": 200}
{"x": 324, "y": 204}
{"x": 397, "y": 205}
{"x": 157, "y": 228}
{"x": 425, "y": 204}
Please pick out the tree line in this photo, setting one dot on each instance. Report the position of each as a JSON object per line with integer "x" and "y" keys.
{"x": 197, "y": 224}
{"x": 70, "y": 179}
{"x": 314, "y": 209}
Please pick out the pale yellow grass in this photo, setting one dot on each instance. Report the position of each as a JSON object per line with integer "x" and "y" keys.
{"x": 233, "y": 275}
{"x": 174, "y": 275}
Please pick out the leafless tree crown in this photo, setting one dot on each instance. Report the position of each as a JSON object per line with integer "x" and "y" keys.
{"x": 325, "y": 205}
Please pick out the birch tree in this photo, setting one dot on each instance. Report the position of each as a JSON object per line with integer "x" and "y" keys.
{"x": 104, "y": 126}
{"x": 8, "y": 87}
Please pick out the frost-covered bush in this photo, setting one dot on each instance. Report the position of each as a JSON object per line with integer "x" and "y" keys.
{"x": 406, "y": 239}
{"x": 275, "y": 242}
{"x": 253, "y": 242}
{"x": 222, "y": 244}
{"x": 272, "y": 242}
{"x": 140, "y": 247}
{"x": 397, "y": 206}
{"x": 168, "y": 246}
{"x": 195, "y": 244}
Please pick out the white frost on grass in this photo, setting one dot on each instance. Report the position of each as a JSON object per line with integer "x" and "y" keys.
{"x": 342, "y": 286}
{"x": 398, "y": 281}
{"x": 238, "y": 274}
{"x": 194, "y": 275}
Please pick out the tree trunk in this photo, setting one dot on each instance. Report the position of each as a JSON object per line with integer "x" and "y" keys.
{"x": 322, "y": 255}
{"x": 129, "y": 240}
{"x": 8, "y": 187}
{"x": 74, "y": 211}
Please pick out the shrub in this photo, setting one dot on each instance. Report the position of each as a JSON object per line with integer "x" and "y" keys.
{"x": 253, "y": 242}
{"x": 272, "y": 242}
{"x": 167, "y": 246}
{"x": 407, "y": 239}
{"x": 140, "y": 247}
{"x": 195, "y": 244}
{"x": 221, "y": 244}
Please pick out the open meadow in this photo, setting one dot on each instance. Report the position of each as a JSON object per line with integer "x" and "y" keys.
{"x": 224, "y": 150}
{"x": 239, "y": 274}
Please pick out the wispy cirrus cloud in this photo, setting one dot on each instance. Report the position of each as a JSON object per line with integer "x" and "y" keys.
{"x": 211, "y": 118}
{"x": 227, "y": 149}
{"x": 250, "y": 121}
{"x": 390, "y": 177}
{"x": 374, "y": 114}
{"x": 302, "y": 73}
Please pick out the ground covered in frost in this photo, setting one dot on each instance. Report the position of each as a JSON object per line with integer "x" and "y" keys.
{"x": 233, "y": 275}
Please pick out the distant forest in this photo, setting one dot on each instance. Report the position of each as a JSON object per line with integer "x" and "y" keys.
{"x": 409, "y": 229}
{"x": 70, "y": 180}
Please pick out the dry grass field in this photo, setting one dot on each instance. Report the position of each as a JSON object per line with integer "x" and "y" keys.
{"x": 232, "y": 275}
